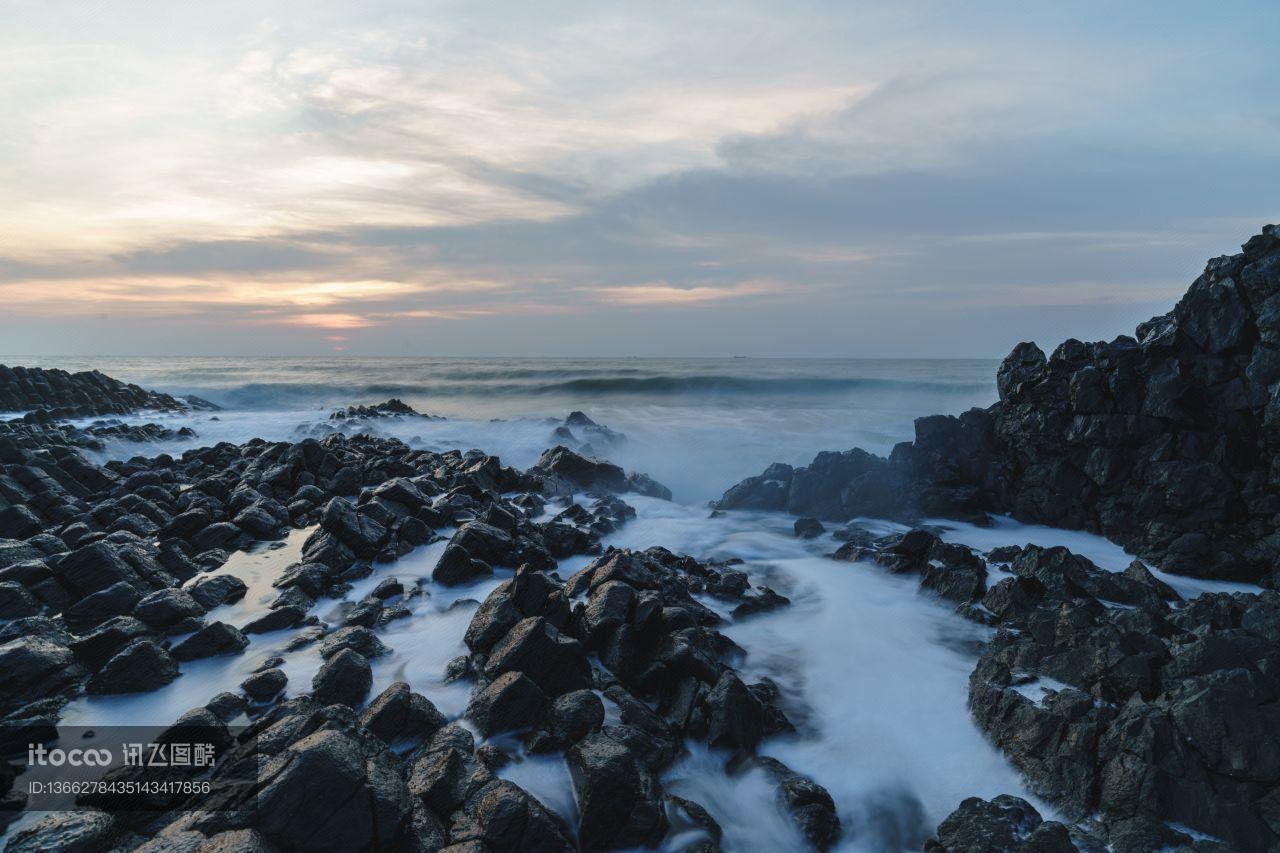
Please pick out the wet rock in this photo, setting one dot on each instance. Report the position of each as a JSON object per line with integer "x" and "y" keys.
{"x": 388, "y": 588}
{"x": 444, "y": 776}
{"x": 217, "y": 590}
{"x": 96, "y": 647}
{"x": 456, "y": 567}
{"x": 288, "y": 616}
{"x": 166, "y": 608}
{"x": 363, "y": 535}
{"x": 578, "y": 473}
{"x": 140, "y": 666}
{"x": 226, "y": 706}
{"x": 265, "y": 685}
{"x": 398, "y": 714}
{"x": 619, "y": 800}
{"x": 556, "y": 663}
{"x": 81, "y": 831}
{"x": 344, "y": 679}
{"x": 13, "y": 551}
{"x": 1160, "y": 441}
{"x": 808, "y": 528}
{"x": 484, "y": 542}
{"x": 217, "y": 638}
{"x": 762, "y": 601}
{"x": 19, "y": 522}
{"x": 357, "y": 638}
{"x": 511, "y": 702}
{"x": 16, "y": 602}
{"x": 735, "y": 717}
{"x": 808, "y": 803}
{"x": 96, "y": 608}
{"x": 501, "y": 816}
{"x": 643, "y": 484}
{"x": 35, "y": 668}
{"x": 575, "y": 715}
{"x": 221, "y": 534}
{"x": 328, "y": 792}
{"x": 237, "y": 841}
{"x": 1005, "y": 824}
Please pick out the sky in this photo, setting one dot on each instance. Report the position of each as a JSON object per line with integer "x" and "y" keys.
{"x": 692, "y": 179}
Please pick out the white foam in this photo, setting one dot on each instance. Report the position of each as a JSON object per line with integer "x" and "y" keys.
{"x": 1104, "y": 553}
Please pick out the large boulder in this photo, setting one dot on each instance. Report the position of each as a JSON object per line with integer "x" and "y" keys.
{"x": 140, "y": 666}
{"x": 217, "y": 638}
{"x": 1005, "y": 824}
{"x": 328, "y": 791}
{"x": 619, "y": 799}
{"x": 554, "y": 662}
{"x": 344, "y": 679}
{"x": 398, "y": 714}
{"x": 35, "y": 668}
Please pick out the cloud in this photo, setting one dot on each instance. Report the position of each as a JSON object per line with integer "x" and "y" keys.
{"x": 525, "y": 179}
{"x": 665, "y": 294}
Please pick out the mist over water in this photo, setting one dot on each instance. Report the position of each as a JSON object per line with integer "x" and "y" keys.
{"x": 873, "y": 672}
{"x": 697, "y": 425}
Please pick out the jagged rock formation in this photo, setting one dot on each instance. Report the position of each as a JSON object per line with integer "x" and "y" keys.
{"x": 1119, "y": 702}
{"x": 1166, "y": 442}
{"x": 393, "y": 408}
{"x": 63, "y": 394}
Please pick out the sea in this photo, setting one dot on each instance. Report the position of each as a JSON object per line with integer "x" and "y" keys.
{"x": 873, "y": 671}
{"x": 697, "y": 425}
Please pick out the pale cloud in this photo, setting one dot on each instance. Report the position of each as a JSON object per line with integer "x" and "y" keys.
{"x": 664, "y": 294}
{"x": 537, "y": 176}
{"x": 326, "y": 321}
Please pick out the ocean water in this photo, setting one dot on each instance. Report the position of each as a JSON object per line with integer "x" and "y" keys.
{"x": 697, "y": 425}
{"x": 873, "y": 671}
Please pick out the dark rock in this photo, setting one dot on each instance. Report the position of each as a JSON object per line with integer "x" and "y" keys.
{"x": 217, "y": 590}
{"x": 484, "y": 542}
{"x": 556, "y": 663}
{"x": 456, "y": 566}
{"x": 265, "y": 685}
{"x": 140, "y": 666}
{"x": 735, "y": 717}
{"x": 329, "y": 792}
{"x": 67, "y": 832}
{"x": 762, "y": 601}
{"x": 363, "y": 535}
{"x": 275, "y": 620}
{"x": 16, "y": 602}
{"x": 217, "y": 638}
{"x": 1005, "y": 824}
{"x": 575, "y": 715}
{"x": 226, "y": 706}
{"x": 398, "y": 714}
{"x": 19, "y": 522}
{"x": 166, "y": 608}
{"x": 511, "y": 702}
{"x": 35, "y": 668}
{"x": 355, "y": 637}
{"x": 501, "y": 816}
{"x": 808, "y": 528}
{"x": 344, "y": 679}
{"x": 96, "y": 608}
{"x": 808, "y": 803}
{"x": 1163, "y": 442}
{"x": 619, "y": 800}
{"x": 96, "y": 647}
{"x": 560, "y": 464}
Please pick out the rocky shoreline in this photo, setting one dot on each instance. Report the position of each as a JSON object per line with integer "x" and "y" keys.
{"x": 1165, "y": 442}
{"x": 1146, "y": 720}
